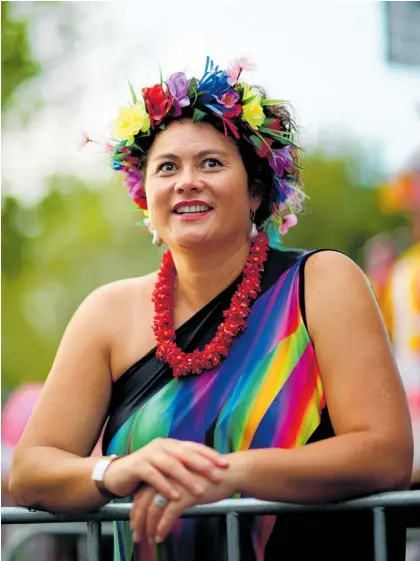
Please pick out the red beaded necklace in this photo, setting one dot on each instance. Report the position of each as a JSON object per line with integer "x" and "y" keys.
{"x": 233, "y": 324}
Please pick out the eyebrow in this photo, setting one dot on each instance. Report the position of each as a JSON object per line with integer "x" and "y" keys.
{"x": 201, "y": 154}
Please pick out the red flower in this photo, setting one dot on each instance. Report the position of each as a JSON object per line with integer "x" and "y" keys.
{"x": 157, "y": 103}
{"x": 232, "y": 111}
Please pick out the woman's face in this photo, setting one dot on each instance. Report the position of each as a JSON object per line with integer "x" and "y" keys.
{"x": 197, "y": 187}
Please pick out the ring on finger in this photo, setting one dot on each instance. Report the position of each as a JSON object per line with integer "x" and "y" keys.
{"x": 160, "y": 501}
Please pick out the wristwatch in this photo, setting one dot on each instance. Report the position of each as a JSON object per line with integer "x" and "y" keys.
{"x": 98, "y": 475}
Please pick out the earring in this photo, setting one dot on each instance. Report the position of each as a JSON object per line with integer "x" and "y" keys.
{"x": 253, "y": 232}
{"x": 157, "y": 240}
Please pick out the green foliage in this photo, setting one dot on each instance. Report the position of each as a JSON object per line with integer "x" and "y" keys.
{"x": 53, "y": 255}
{"x": 341, "y": 214}
{"x": 17, "y": 63}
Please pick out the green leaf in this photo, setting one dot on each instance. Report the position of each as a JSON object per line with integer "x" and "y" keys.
{"x": 118, "y": 156}
{"x": 133, "y": 93}
{"x": 198, "y": 115}
{"x": 256, "y": 140}
{"x": 268, "y": 101}
{"x": 192, "y": 90}
{"x": 246, "y": 101}
{"x": 298, "y": 166}
{"x": 268, "y": 121}
{"x": 276, "y": 135}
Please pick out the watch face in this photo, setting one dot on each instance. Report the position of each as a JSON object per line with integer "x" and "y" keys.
{"x": 99, "y": 469}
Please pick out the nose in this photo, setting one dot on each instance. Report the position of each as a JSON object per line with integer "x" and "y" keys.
{"x": 188, "y": 182}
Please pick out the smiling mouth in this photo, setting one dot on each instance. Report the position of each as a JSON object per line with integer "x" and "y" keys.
{"x": 192, "y": 209}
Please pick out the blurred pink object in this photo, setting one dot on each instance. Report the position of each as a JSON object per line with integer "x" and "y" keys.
{"x": 17, "y": 411}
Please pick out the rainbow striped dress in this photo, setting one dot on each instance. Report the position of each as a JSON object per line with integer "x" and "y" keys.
{"x": 266, "y": 393}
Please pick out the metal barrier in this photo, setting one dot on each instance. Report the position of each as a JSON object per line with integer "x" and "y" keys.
{"x": 232, "y": 509}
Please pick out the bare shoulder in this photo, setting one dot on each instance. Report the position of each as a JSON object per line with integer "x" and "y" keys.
{"x": 333, "y": 267}
{"x": 115, "y": 297}
{"x": 337, "y": 289}
{"x": 120, "y": 289}
{"x": 105, "y": 317}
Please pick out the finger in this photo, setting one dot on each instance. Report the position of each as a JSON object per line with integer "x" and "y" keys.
{"x": 134, "y": 517}
{"x": 138, "y": 515}
{"x": 156, "y": 479}
{"x": 209, "y": 453}
{"x": 168, "y": 518}
{"x": 216, "y": 457}
{"x": 154, "y": 514}
{"x": 200, "y": 464}
{"x": 176, "y": 470}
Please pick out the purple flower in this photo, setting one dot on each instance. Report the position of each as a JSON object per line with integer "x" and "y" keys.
{"x": 134, "y": 181}
{"x": 281, "y": 159}
{"x": 178, "y": 85}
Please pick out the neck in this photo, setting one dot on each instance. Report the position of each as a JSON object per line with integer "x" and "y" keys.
{"x": 202, "y": 276}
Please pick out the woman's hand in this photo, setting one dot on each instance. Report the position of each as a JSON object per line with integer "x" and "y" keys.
{"x": 152, "y": 522}
{"x": 167, "y": 465}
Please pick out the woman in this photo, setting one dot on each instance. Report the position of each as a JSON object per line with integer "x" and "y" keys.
{"x": 207, "y": 370}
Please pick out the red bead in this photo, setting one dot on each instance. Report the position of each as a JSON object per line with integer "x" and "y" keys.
{"x": 233, "y": 324}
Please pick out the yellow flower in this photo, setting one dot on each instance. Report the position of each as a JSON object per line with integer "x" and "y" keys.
{"x": 130, "y": 121}
{"x": 252, "y": 112}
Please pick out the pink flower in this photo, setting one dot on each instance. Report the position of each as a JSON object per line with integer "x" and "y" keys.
{"x": 233, "y": 73}
{"x": 109, "y": 146}
{"x": 288, "y": 221}
{"x": 243, "y": 63}
{"x": 83, "y": 140}
{"x": 235, "y": 68}
{"x": 229, "y": 99}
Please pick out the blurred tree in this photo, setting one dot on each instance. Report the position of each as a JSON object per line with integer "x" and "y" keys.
{"x": 54, "y": 254}
{"x": 17, "y": 63}
{"x": 342, "y": 213}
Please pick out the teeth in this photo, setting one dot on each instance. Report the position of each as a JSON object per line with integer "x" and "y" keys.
{"x": 191, "y": 209}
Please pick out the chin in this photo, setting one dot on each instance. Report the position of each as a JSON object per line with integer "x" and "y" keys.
{"x": 195, "y": 237}
{"x": 193, "y": 240}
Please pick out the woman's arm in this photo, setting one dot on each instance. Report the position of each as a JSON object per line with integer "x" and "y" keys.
{"x": 50, "y": 467}
{"x": 373, "y": 448}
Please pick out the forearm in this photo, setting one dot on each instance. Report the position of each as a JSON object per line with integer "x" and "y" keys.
{"x": 54, "y": 480}
{"x": 333, "y": 469}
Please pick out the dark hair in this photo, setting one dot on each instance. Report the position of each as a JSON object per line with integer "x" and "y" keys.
{"x": 260, "y": 174}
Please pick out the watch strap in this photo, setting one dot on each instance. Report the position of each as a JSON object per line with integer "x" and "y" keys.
{"x": 98, "y": 476}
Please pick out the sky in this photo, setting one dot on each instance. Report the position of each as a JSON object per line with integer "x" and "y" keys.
{"x": 326, "y": 58}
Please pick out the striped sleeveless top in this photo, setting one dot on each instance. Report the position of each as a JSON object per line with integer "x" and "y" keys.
{"x": 267, "y": 393}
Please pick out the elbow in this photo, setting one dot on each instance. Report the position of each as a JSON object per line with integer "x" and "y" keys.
{"x": 396, "y": 466}
{"x": 18, "y": 488}
{"x": 15, "y": 488}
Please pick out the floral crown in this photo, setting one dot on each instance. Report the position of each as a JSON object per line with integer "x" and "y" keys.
{"x": 242, "y": 111}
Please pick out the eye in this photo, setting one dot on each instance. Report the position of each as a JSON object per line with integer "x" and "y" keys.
{"x": 167, "y": 166}
{"x": 211, "y": 163}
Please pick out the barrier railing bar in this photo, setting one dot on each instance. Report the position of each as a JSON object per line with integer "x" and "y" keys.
{"x": 379, "y": 534}
{"x": 232, "y": 525}
{"x": 22, "y": 535}
{"x": 121, "y": 511}
{"x": 94, "y": 541}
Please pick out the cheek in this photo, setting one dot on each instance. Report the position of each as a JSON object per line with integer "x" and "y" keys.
{"x": 156, "y": 197}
